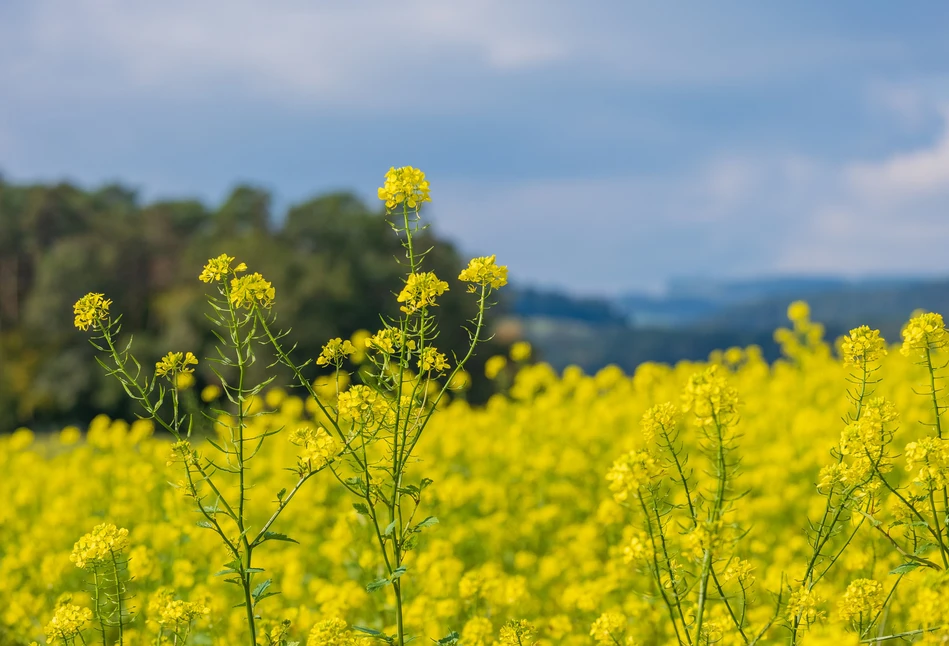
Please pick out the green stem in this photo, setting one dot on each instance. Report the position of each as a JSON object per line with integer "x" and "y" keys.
{"x": 118, "y": 598}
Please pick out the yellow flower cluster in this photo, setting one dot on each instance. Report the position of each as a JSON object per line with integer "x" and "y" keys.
{"x": 420, "y": 291}
{"x": 923, "y": 333}
{"x": 862, "y": 346}
{"x": 861, "y": 603}
{"x": 806, "y": 607}
{"x": 334, "y": 352}
{"x": 610, "y": 629}
{"x": 167, "y": 610}
{"x": 866, "y": 436}
{"x": 361, "y": 404}
{"x": 406, "y": 185}
{"x": 432, "y": 360}
{"x": 251, "y": 290}
{"x": 331, "y": 632}
{"x": 929, "y": 457}
{"x": 101, "y": 544}
{"x": 658, "y": 420}
{"x": 484, "y": 271}
{"x": 67, "y": 622}
{"x": 518, "y": 633}
{"x": 91, "y": 310}
{"x": 709, "y": 397}
{"x": 631, "y": 471}
{"x": 319, "y": 447}
{"x": 175, "y": 363}
{"x": 217, "y": 269}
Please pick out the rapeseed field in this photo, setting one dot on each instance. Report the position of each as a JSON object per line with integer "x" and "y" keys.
{"x": 725, "y": 502}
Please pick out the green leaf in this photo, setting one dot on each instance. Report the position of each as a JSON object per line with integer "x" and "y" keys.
{"x": 281, "y": 494}
{"x": 428, "y": 522}
{"x": 397, "y": 573}
{"x": 274, "y": 536}
{"x": 361, "y": 508}
{"x": 389, "y": 529}
{"x": 906, "y": 567}
{"x": 260, "y": 589}
{"x": 205, "y": 524}
{"x": 378, "y": 584}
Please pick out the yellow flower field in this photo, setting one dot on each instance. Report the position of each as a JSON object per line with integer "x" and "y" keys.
{"x": 727, "y": 502}
{"x": 528, "y": 528}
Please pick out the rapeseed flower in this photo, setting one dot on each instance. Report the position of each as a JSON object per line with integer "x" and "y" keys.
{"x": 175, "y": 363}
{"x": 924, "y": 333}
{"x": 217, "y": 269}
{"x": 420, "y": 291}
{"x": 405, "y": 185}
{"x": 334, "y": 352}
{"x": 331, "y": 632}
{"x": 67, "y": 622}
{"x": 861, "y": 603}
{"x": 91, "y": 310}
{"x": 862, "y": 346}
{"x": 250, "y": 290}
{"x": 484, "y": 271}
{"x": 103, "y": 543}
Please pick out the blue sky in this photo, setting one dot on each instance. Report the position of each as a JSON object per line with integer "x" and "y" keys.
{"x": 598, "y": 147}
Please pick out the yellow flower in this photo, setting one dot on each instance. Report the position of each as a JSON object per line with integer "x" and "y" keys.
{"x": 432, "y": 359}
{"x": 248, "y": 291}
{"x": 609, "y": 628}
{"x": 210, "y": 392}
{"x": 67, "y": 622}
{"x": 319, "y": 447}
{"x": 520, "y": 351}
{"x": 631, "y": 471}
{"x": 861, "y": 603}
{"x": 517, "y": 633}
{"x": 799, "y": 311}
{"x": 420, "y": 291}
{"x": 175, "y": 363}
{"x": 659, "y": 419}
{"x": 360, "y": 403}
{"x": 217, "y": 269}
{"x": 494, "y": 366}
{"x": 931, "y": 456}
{"x": 710, "y": 398}
{"x": 91, "y": 309}
{"x": 478, "y": 631}
{"x": 404, "y": 185}
{"x": 804, "y": 606}
{"x": 484, "y": 271}
{"x": 334, "y": 352}
{"x": 862, "y": 346}
{"x": 923, "y": 333}
{"x": 102, "y": 543}
{"x": 164, "y": 609}
{"x": 331, "y": 632}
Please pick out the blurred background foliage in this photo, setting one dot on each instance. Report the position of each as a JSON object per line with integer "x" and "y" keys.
{"x": 332, "y": 260}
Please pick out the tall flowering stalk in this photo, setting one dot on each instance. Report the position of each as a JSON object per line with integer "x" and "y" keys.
{"x": 242, "y": 302}
{"x": 695, "y": 567}
{"x": 378, "y": 423}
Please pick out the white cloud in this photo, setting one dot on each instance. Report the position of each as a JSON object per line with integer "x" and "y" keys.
{"x": 414, "y": 52}
{"x": 905, "y": 175}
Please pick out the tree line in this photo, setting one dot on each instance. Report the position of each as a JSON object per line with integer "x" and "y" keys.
{"x": 332, "y": 260}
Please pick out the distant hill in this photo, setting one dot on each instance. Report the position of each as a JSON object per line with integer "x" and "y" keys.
{"x": 696, "y": 317}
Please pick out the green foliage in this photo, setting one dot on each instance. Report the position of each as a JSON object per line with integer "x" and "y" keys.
{"x": 332, "y": 257}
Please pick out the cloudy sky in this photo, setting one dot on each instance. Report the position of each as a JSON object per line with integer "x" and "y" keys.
{"x": 598, "y": 146}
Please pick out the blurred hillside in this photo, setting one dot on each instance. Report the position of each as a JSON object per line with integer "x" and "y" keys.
{"x": 332, "y": 260}
{"x": 694, "y": 318}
